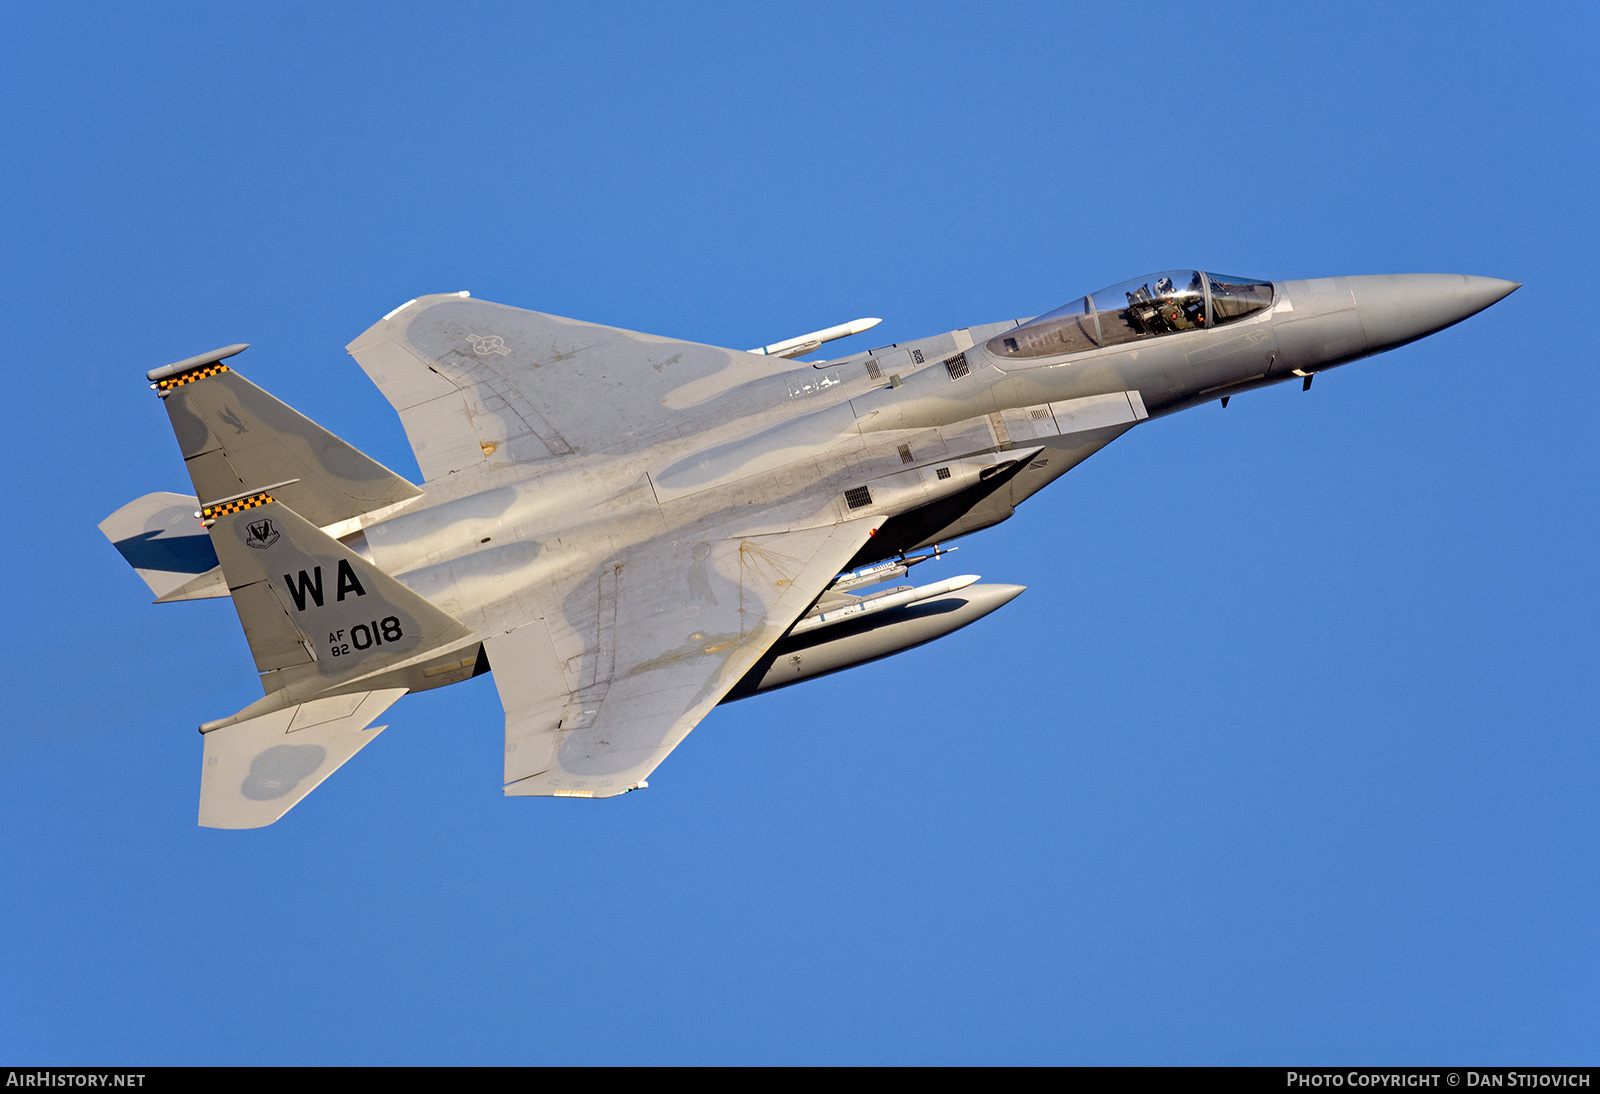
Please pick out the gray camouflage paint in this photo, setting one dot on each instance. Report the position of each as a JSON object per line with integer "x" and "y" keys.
{"x": 629, "y": 524}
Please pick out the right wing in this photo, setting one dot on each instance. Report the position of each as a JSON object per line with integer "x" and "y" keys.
{"x": 675, "y": 627}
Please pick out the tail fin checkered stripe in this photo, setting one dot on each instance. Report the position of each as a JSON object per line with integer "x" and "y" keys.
{"x": 237, "y": 505}
{"x": 164, "y": 386}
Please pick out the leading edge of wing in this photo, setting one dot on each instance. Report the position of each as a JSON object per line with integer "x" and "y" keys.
{"x": 688, "y": 627}
{"x": 478, "y": 383}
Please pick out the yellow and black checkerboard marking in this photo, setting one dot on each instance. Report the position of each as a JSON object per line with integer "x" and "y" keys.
{"x": 238, "y": 505}
{"x": 191, "y": 376}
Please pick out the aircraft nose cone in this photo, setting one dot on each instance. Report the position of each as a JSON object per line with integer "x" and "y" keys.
{"x": 1400, "y": 308}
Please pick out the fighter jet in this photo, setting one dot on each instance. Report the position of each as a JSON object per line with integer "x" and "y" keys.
{"x": 627, "y": 530}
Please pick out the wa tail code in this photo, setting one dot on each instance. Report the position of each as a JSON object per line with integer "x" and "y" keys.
{"x": 310, "y": 585}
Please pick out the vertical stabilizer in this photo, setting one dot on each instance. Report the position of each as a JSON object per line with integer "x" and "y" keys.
{"x": 316, "y": 614}
{"x": 237, "y": 437}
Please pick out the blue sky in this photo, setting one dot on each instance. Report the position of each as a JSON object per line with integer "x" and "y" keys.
{"x": 1287, "y": 755}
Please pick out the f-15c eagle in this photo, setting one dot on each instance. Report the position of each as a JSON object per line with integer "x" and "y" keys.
{"x": 627, "y": 530}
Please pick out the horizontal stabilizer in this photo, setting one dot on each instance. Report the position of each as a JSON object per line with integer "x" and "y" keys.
{"x": 254, "y": 771}
{"x": 164, "y": 543}
{"x": 208, "y": 585}
{"x": 237, "y": 437}
{"x": 316, "y": 614}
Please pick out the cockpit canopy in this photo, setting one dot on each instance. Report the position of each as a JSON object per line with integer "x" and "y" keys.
{"x": 1162, "y": 303}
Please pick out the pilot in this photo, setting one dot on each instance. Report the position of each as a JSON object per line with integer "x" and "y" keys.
{"x": 1172, "y": 312}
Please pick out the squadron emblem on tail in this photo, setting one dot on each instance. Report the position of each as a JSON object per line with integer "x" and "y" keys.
{"x": 261, "y": 535}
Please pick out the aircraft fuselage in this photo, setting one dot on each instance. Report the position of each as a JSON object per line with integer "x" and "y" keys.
{"x": 944, "y": 435}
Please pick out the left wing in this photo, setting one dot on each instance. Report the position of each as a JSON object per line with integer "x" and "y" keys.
{"x": 675, "y": 626}
{"x": 479, "y": 384}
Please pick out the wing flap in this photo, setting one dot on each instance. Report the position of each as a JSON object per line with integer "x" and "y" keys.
{"x": 533, "y": 690}
{"x": 403, "y": 377}
{"x": 442, "y": 437}
{"x": 432, "y": 409}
